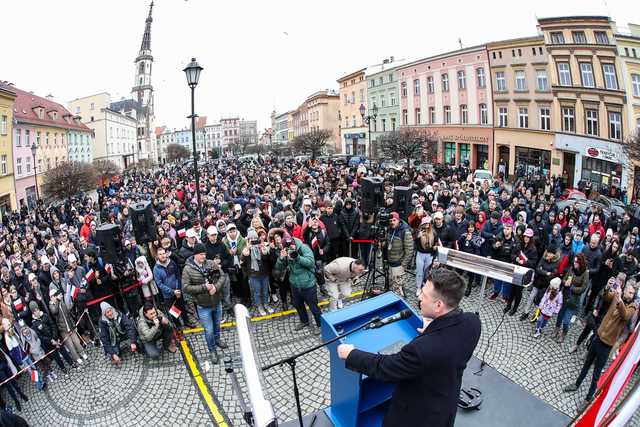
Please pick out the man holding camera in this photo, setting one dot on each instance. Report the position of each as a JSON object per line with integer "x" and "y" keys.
{"x": 298, "y": 259}
{"x": 203, "y": 279}
{"x": 153, "y": 326}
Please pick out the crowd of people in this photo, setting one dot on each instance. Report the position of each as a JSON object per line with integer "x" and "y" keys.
{"x": 273, "y": 234}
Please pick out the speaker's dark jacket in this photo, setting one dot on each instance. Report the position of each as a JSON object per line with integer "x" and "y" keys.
{"x": 427, "y": 371}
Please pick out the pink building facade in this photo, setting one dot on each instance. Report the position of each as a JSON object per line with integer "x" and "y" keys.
{"x": 24, "y": 136}
{"x": 449, "y": 95}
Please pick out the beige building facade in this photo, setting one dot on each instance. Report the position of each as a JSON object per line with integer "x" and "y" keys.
{"x": 353, "y": 131}
{"x": 318, "y": 111}
{"x": 7, "y": 184}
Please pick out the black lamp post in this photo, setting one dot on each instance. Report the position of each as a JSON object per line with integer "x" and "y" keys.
{"x": 367, "y": 119}
{"x": 34, "y": 148}
{"x": 192, "y": 72}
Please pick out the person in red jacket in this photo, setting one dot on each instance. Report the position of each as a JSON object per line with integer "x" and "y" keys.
{"x": 85, "y": 230}
{"x": 596, "y": 227}
{"x": 292, "y": 227}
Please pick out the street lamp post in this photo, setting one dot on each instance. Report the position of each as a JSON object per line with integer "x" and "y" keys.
{"x": 192, "y": 72}
{"x": 373, "y": 113}
{"x": 34, "y": 148}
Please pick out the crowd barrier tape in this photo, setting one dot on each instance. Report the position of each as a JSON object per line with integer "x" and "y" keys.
{"x": 363, "y": 241}
{"x": 34, "y": 363}
{"x": 106, "y": 297}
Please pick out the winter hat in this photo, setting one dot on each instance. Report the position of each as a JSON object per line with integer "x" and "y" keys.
{"x": 192, "y": 233}
{"x": 44, "y": 260}
{"x": 555, "y": 283}
{"x": 31, "y": 276}
{"x": 252, "y": 234}
{"x": 33, "y": 306}
{"x": 199, "y": 248}
{"x": 212, "y": 230}
{"x": 52, "y": 292}
{"x": 425, "y": 220}
{"x": 71, "y": 258}
{"x": 528, "y": 232}
{"x": 507, "y": 221}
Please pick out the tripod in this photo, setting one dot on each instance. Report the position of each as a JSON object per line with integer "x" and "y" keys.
{"x": 374, "y": 271}
{"x": 291, "y": 361}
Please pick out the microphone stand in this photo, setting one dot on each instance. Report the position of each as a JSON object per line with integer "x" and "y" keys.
{"x": 291, "y": 361}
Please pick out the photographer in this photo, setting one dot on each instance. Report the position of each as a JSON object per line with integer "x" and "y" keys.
{"x": 217, "y": 249}
{"x": 203, "y": 280}
{"x": 153, "y": 326}
{"x": 297, "y": 258}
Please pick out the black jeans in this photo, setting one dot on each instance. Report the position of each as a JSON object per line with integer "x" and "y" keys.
{"x": 597, "y": 355}
{"x": 515, "y": 298}
{"x": 309, "y": 296}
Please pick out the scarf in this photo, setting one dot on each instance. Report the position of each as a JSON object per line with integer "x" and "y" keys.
{"x": 115, "y": 326}
{"x": 256, "y": 257}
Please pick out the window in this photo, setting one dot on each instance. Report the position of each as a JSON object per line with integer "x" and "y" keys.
{"x": 430, "y": 88}
{"x": 18, "y": 137}
{"x": 523, "y": 117}
{"x": 392, "y": 99}
{"x": 3, "y": 125}
{"x": 464, "y": 114}
{"x": 37, "y": 138}
{"x": 416, "y": 87}
{"x": 542, "y": 80}
{"x": 27, "y": 138}
{"x": 390, "y": 78}
{"x": 601, "y": 37}
{"x": 579, "y": 37}
{"x": 503, "y": 114}
{"x": 501, "y": 82}
{"x": 635, "y": 84}
{"x": 393, "y": 123}
{"x": 564, "y": 74}
{"x": 403, "y": 89}
{"x": 383, "y": 102}
{"x": 345, "y": 100}
{"x": 3, "y": 164}
{"x": 93, "y": 106}
{"x": 375, "y": 126}
{"x": 384, "y": 125}
{"x": 557, "y": 38}
{"x": 615, "y": 126}
{"x": 28, "y": 164}
{"x": 353, "y": 121}
{"x": 361, "y": 95}
{"x": 405, "y": 117}
{"x": 591, "y": 125}
{"x": 418, "y": 116}
{"x": 19, "y": 166}
{"x": 484, "y": 114}
{"x": 545, "y": 118}
{"x": 568, "y": 119}
{"x": 586, "y": 73}
{"x": 445, "y": 82}
{"x": 482, "y": 81}
{"x": 77, "y": 110}
{"x": 432, "y": 115}
{"x": 447, "y": 114}
{"x": 462, "y": 81}
{"x": 521, "y": 83}
{"x": 610, "y": 81}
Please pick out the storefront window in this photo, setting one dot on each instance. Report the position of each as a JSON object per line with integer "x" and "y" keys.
{"x": 450, "y": 153}
{"x": 482, "y": 156}
{"x": 465, "y": 153}
{"x": 531, "y": 161}
{"x": 601, "y": 173}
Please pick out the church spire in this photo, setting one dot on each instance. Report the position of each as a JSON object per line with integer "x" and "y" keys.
{"x": 146, "y": 38}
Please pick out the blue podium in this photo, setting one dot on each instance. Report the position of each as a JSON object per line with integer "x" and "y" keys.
{"x": 356, "y": 399}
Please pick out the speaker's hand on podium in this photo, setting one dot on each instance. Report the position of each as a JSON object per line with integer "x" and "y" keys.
{"x": 344, "y": 350}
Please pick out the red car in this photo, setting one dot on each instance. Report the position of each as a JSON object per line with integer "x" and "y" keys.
{"x": 572, "y": 193}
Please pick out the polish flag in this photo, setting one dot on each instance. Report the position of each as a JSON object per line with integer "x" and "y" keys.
{"x": 523, "y": 257}
{"x": 74, "y": 292}
{"x": 175, "y": 311}
{"x": 35, "y": 376}
{"x": 314, "y": 242}
{"x": 182, "y": 232}
{"x": 90, "y": 275}
{"x": 18, "y": 304}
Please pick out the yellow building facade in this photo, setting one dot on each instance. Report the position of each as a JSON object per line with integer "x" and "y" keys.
{"x": 7, "y": 185}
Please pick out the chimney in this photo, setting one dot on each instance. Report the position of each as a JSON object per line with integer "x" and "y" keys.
{"x": 49, "y": 97}
{"x": 385, "y": 61}
{"x": 391, "y": 59}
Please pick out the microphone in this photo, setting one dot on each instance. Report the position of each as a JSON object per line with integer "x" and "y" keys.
{"x": 404, "y": 314}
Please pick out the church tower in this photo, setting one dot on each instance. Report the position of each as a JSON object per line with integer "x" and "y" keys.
{"x": 142, "y": 92}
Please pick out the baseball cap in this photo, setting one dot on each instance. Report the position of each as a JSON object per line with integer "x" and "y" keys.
{"x": 528, "y": 232}
{"x": 438, "y": 215}
{"x": 212, "y": 230}
{"x": 231, "y": 226}
{"x": 555, "y": 283}
{"x": 71, "y": 258}
{"x": 395, "y": 215}
{"x": 192, "y": 233}
{"x": 425, "y": 220}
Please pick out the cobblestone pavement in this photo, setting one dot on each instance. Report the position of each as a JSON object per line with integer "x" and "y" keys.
{"x": 145, "y": 392}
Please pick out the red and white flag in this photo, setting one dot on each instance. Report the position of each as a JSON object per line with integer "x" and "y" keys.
{"x": 523, "y": 257}
{"x": 35, "y": 376}
{"x": 90, "y": 275}
{"x": 182, "y": 232}
{"x": 314, "y": 242}
{"x": 74, "y": 292}
{"x": 18, "y": 304}
{"x": 175, "y": 311}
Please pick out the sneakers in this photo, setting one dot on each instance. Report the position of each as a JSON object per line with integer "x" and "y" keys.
{"x": 214, "y": 357}
{"x": 523, "y": 316}
{"x": 80, "y": 362}
{"x": 274, "y": 298}
{"x": 172, "y": 348}
{"x": 315, "y": 330}
{"x": 493, "y": 296}
{"x": 537, "y": 334}
{"x": 300, "y": 326}
{"x": 85, "y": 356}
{"x": 506, "y": 309}
{"x": 573, "y": 349}
{"x": 569, "y": 388}
{"x": 261, "y": 311}
{"x": 340, "y": 304}
{"x": 269, "y": 310}
{"x": 221, "y": 344}
{"x": 512, "y": 312}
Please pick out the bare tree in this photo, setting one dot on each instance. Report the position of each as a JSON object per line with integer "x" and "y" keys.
{"x": 407, "y": 144}
{"x": 244, "y": 145}
{"x": 68, "y": 179}
{"x": 177, "y": 152}
{"x": 312, "y": 142}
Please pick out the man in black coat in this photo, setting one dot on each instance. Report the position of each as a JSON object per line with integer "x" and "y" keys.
{"x": 428, "y": 370}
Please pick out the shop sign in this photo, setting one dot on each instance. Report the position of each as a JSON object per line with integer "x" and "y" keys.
{"x": 599, "y": 153}
{"x": 354, "y": 135}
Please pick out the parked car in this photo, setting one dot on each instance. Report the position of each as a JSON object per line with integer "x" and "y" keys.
{"x": 572, "y": 193}
{"x": 354, "y": 161}
{"x": 480, "y": 175}
{"x": 612, "y": 204}
{"x": 302, "y": 158}
{"x": 582, "y": 205}
{"x": 339, "y": 159}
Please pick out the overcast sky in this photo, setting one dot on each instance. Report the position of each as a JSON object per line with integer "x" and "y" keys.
{"x": 257, "y": 55}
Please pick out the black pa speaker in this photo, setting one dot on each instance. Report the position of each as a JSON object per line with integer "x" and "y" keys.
{"x": 109, "y": 239}
{"x": 143, "y": 222}
{"x": 402, "y": 201}
{"x": 372, "y": 192}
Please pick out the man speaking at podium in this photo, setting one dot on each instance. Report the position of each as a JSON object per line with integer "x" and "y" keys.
{"x": 428, "y": 370}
